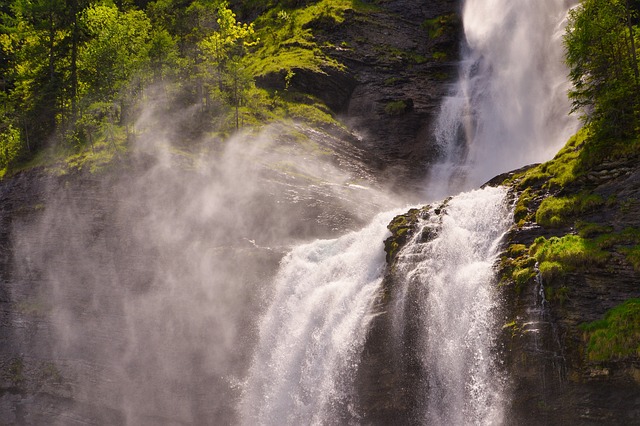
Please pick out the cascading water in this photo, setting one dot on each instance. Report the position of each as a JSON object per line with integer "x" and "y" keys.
{"x": 508, "y": 109}
{"x": 312, "y": 335}
{"x": 457, "y": 305}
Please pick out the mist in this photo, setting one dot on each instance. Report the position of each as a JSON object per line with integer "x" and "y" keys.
{"x": 150, "y": 278}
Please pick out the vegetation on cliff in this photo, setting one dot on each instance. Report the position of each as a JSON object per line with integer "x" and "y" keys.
{"x": 75, "y": 75}
{"x": 577, "y": 207}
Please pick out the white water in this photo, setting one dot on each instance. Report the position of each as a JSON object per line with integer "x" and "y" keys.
{"x": 313, "y": 333}
{"x": 508, "y": 109}
{"x": 459, "y": 306}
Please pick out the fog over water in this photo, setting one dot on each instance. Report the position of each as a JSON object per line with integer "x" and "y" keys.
{"x": 151, "y": 279}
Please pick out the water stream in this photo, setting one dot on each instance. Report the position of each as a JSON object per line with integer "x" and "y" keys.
{"x": 507, "y": 109}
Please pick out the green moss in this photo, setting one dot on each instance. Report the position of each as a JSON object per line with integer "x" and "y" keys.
{"x": 558, "y": 294}
{"x": 571, "y": 251}
{"x": 633, "y": 256}
{"x": 290, "y": 43}
{"x": 440, "y": 25}
{"x": 521, "y": 211}
{"x": 563, "y": 169}
{"x": 616, "y": 336}
{"x": 392, "y": 81}
{"x": 555, "y": 212}
{"x": 517, "y": 266}
{"x": 400, "y": 228}
{"x": 264, "y": 107}
{"x": 550, "y": 271}
{"x": 439, "y": 56}
{"x": 522, "y": 276}
{"x": 513, "y": 327}
{"x": 395, "y": 108}
{"x": 516, "y": 250}
{"x": 589, "y": 230}
{"x": 15, "y": 372}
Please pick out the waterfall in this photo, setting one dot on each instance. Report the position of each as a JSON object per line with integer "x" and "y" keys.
{"x": 509, "y": 106}
{"x": 453, "y": 281}
{"x": 314, "y": 330}
{"x": 508, "y": 109}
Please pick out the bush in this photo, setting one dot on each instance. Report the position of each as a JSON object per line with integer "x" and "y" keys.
{"x": 10, "y": 146}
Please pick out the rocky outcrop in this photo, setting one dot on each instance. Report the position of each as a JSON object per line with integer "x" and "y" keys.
{"x": 399, "y": 57}
{"x": 552, "y": 301}
{"x": 554, "y": 380}
{"x": 402, "y": 57}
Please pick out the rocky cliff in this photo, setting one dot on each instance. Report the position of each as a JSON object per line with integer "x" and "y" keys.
{"x": 399, "y": 58}
{"x": 571, "y": 279}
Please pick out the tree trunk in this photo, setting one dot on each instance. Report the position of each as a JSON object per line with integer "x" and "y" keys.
{"x": 633, "y": 45}
{"x": 74, "y": 60}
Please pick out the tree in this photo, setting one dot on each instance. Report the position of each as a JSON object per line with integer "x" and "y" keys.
{"x": 222, "y": 54}
{"x": 601, "y": 54}
{"x": 118, "y": 49}
{"x": 34, "y": 38}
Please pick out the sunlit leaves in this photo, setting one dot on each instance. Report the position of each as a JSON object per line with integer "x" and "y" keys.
{"x": 118, "y": 48}
{"x": 601, "y": 53}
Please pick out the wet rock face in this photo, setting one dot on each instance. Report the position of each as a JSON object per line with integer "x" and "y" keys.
{"x": 403, "y": 58}
{"x": 390, "y": 383}
{"x": 553, "y": 382}
{"x": 400, "y": 59}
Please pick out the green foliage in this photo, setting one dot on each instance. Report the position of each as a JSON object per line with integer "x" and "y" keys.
{"x": 589, "y": 230}
{"x": 571, "y": 251}
{"x": 601, "y": 45}
{"x": 439, "y": 25}
{"x": 616, "y": 336}
{"x": 10, "y": 146}
{"x": 553, "y": 293}
{"x": 518, "y": 266}
{"x": 440, "y": 56}
{"x": 522, "y": 276}
{"x": 563, "y": 169}
{"x": 289, "y": 41}
{"x": 550, "y": 271}
{"x": 118, "y": 49}
{"x": 633, "y": 256}
{"x": 400, "y": 228}
{"x": 555, "y": 212}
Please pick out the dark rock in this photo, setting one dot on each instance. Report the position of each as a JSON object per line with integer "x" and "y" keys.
{"x": 331, "y": 86}
{"x": 390, "y": 55}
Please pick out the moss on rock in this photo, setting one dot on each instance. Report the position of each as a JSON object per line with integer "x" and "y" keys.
{"x": 616, "y": 336}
